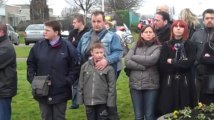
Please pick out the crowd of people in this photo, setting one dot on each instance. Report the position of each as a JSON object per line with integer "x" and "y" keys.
{"x": 170, "y": 67}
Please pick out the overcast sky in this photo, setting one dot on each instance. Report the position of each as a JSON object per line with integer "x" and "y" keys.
{"x": 148, "y": 7}
{"x": 57, "y": 5}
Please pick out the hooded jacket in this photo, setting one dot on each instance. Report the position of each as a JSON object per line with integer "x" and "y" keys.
{"x": 8, "y": 73}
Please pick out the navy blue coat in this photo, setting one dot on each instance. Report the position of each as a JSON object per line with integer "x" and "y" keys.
{"x": 59, "y": 62}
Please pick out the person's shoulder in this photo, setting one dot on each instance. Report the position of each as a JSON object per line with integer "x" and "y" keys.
{"x": 86, "y": 34}
{"x": 199, "y": 30}
{"x": 110, "y": 68}
{"x": 86, "y": 29}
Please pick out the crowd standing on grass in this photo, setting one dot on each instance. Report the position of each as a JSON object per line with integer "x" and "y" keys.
{"x": 164, "y": 76}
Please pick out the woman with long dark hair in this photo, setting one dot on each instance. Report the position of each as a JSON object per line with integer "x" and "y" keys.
{"x": 142, "y": 61}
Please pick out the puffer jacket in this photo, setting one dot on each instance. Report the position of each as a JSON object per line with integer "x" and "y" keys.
{"x": 95, "y": 86}
{"x": 8, "y": 73}
{"x": 142, "y": 62}
{"x": 111, "y": 42}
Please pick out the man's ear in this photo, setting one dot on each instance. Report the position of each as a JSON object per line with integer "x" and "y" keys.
{"x": 165, "y": 22}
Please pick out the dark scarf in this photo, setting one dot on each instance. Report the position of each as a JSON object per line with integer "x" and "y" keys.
{"x": 163, "y": 30}
{"x": 148, "y": 43}
{"x": 3, "y": 38}
{"x": 179, "y": 48}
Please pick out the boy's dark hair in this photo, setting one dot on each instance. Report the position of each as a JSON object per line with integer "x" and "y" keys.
{"x": 164, "y": 15}
{"x": 210, "y": 11}
{"x": 80, "y": 18}
{"x": 96, "y": 13}
{"x": 55, "y": 25}
{"x": 96, "y": 45}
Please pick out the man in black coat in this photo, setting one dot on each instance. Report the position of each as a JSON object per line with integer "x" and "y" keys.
{"x": 8, "y": 73}
{"x": 74, "y": 37}
{"x": 200, "y": 38}
{"x": 56, "y": 58}
{"x": 162, "y": 26}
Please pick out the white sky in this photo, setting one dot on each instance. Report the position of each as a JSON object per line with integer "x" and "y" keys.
{"x": 148, "y": 7}
{"x": 57, "y": 5}
{"x": 196, "y": 6}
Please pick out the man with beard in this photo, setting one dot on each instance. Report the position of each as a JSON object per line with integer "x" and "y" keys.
{"x": 200, "y": 38}
{"x": 162, "y": 26}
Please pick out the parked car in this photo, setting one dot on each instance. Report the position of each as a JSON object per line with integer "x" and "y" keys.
{"x": 12, "y": 34}
{"x": 33, "y": 33}
{"x": 65, "y": 34}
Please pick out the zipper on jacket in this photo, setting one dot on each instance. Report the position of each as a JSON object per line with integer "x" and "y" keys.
{"x": 169, "y": 80}
{"x": 92, "y": 101}
{"x": 185, "y": 80}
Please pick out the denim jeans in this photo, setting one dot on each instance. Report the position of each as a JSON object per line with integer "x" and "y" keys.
{"x": 144, "y": 102}
{"x": 74, "y": 93}
{"x": 5, "y": 108}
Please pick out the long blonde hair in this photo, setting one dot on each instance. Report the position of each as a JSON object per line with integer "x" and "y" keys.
{"x": 189, "y": 17}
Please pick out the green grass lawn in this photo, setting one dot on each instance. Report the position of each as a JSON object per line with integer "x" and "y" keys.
{"x": 22, "y": 51}
{"x": 24, "y": 107}
{"x": 21, "y": 38}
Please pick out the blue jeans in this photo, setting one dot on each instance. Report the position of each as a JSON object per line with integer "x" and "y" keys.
{"x": 5, "y": 108}
{"x": 144, "y": 102}
{"x": 74, "y": 93}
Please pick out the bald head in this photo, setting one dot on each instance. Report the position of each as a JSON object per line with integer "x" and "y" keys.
{"x": 162, "y": 8}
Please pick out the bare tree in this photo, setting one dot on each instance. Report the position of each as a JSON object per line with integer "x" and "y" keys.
{"x": 3, "y": 1}
{"x": 39, "y": 11}
{"x": 70, "y": 11}
{"x": 124, "y": 4}
{"x": 85, "y": 5}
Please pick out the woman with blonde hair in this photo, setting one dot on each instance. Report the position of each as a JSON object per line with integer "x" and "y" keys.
{"x": 191, "y": 19}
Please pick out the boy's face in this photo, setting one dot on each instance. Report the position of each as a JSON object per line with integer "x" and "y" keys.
{"x": 97, "y": 54}
{"x": 49, "y": 33}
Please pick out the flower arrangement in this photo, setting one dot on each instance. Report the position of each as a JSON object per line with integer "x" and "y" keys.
{"x": 200, "y": 112}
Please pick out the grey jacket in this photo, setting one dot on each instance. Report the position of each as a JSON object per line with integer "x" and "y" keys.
{"x": 95, "y": 86}
{"x": 144, "y": 73}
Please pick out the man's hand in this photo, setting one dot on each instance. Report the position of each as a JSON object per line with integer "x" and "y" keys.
{"x": 169, "y": 61}
{"x": 101, "y": 64}
{"x": 207, "y": 55}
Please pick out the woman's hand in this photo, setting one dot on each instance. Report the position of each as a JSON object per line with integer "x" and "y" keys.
{"x": 169, "y": 60}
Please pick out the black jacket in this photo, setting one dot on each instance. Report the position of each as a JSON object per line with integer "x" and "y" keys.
{"x": 59, "y": 63}
{"x": 8, "y": 73}
{"x": 163, "y": 34}
{"x": 75, "y": 36}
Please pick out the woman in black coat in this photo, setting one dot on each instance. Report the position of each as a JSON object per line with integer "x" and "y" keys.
{"x": 177, "y": 89}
